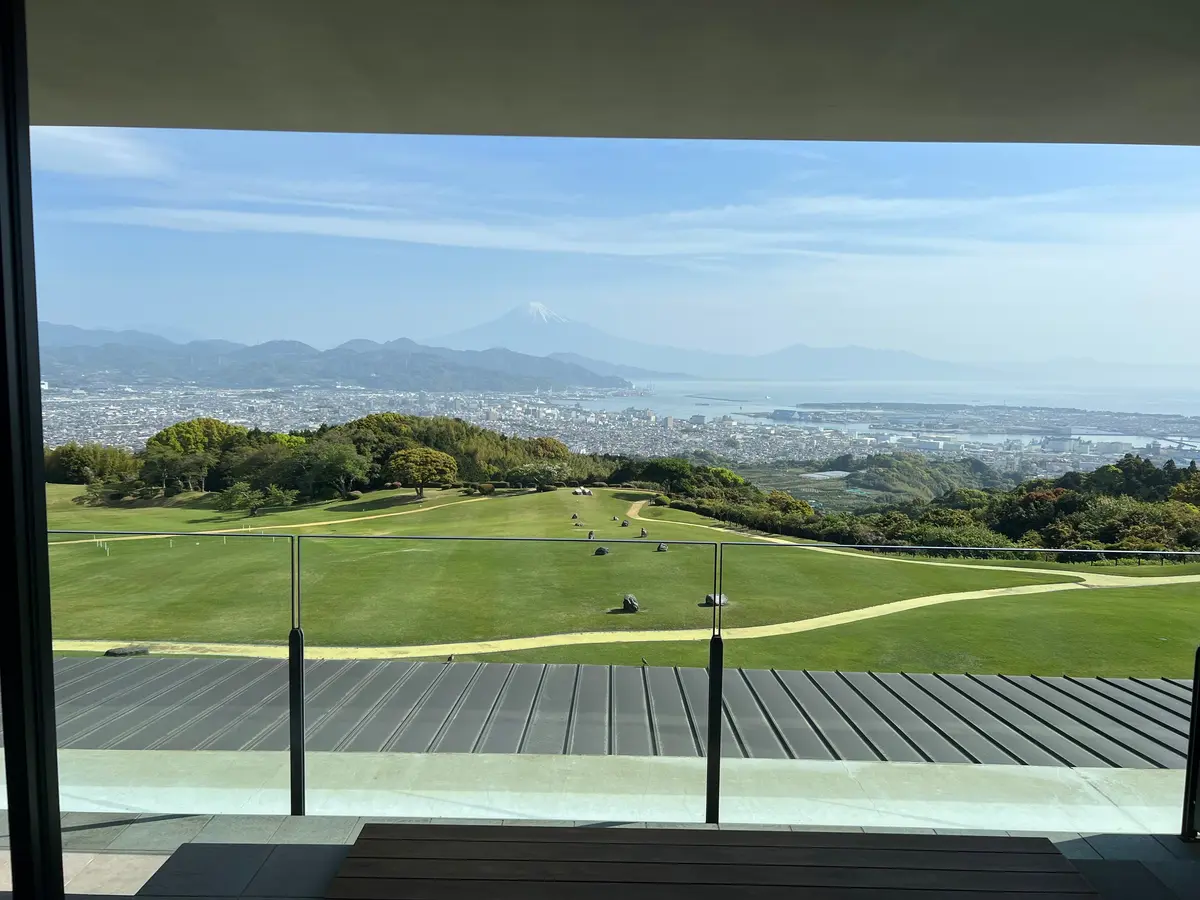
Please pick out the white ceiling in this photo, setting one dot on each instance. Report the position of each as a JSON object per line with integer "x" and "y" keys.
{"x": 1114, "y": 71}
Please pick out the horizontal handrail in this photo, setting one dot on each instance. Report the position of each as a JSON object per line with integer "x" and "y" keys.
{"x": 909, "y": 548}
{"x": 809, "y": 545}
{"x": 531, "y": 540}
{"x": 254, "y": 534}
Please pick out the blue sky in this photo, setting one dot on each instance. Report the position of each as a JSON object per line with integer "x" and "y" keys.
{"x": 966, "y": 252}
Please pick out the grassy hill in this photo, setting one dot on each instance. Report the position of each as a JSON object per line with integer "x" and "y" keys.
{"x": 1144, "y": 633}
{"x": 235, "y": 588}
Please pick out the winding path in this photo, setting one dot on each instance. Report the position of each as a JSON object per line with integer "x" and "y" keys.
{"x": 283, "y": 528}
{"x": 1084, "y": 581}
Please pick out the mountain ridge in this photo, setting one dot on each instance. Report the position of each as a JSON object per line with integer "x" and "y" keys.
{"x": 528, "y": 329}
{"x": 120, "y": 357}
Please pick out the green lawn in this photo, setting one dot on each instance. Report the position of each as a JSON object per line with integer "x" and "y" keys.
{"x": 1137, "y": 632}
{"x": 195, "y": 512}
{"x": 380, "y": 592}
{"x": 357, "y": 592}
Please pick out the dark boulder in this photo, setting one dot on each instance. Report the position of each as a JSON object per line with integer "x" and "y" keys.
{"x": 629, "y": 604}
{"x": 601, "y": 551}
{"x": 662, "y": 548}
{"x": 715, "y": 600}
{"x": 128, "y": 651}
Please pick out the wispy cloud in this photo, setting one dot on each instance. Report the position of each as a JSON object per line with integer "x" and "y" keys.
{"x": 785, "y": 227}
{"x": 100, "y": 152}
{"x": 418, "y": 207}
{"x": 608, "y": 237}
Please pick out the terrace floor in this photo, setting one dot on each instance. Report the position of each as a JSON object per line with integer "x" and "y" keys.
{"x": 1094, "y": 762}
{"x": 160, "y": 856}
{"x": 198, "y": 703}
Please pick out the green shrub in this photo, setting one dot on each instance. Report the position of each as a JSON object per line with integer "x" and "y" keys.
{"x": 486, "y": 488}
{"x": 499, "y": 484}
{"x": 354, "y": 495}
{"x": 542, "y": 488}
{"x": 598, "y": 484}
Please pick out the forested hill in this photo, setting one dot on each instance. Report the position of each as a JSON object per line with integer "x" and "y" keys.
{"x": 891, "y": 477}
{"x": 1131, "y": 505}
{"x": 332, "y": 461}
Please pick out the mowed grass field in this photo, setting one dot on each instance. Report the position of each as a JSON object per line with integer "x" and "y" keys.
{"x": 410, "y": 590}
{"x": 235, "y": 588}
{"x": 1140, "y": 632}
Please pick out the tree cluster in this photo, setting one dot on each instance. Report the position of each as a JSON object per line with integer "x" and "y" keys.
{"x": 254, "y": 469}
{"x": 1132, "y": 505}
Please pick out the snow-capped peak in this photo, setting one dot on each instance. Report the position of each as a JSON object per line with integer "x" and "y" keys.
{"x": 543, "y": 313}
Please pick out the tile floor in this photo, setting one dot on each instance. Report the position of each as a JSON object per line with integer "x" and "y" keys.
{"x": 616, "y": 788}
{"x": 160, "y": 856}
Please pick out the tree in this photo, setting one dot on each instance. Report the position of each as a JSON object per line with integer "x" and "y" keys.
{"x": 671, "y": 473}
{"x": 724, "y": 476}
{"x": 277, "y": 496}
{"x": 241, "y": 496}
{"x": 536, "y": 474}
{"x": 202, "y": 435}
{"x": 74, "y": 463}
{"x": 1188, "y": 491}
{"x": 194, "y": 468}
{"x": 331, "y": 464}
{"x": 789, "y": 505}
{"x": 420, "y": 467}
{"x": 549, "y": 448}
{"x": 162, "y": 464}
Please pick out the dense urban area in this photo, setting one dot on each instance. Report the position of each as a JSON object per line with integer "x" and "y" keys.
{"x": 1027, "y": 440}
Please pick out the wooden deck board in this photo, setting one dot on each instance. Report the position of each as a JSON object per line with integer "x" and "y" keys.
{"x": 413, "y": 862}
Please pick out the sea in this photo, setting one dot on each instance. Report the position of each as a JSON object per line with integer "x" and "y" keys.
{"x": 683, "y": 399}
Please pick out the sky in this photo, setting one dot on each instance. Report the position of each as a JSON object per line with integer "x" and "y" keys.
{"x": 954, "y": 251}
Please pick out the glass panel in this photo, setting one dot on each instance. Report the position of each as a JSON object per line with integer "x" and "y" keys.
{"x": 171, "y": 672}
{"x": 955, "y": 689}
{"x": 507, "y": 678}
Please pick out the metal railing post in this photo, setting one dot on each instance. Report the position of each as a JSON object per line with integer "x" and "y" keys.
{"x": 1191, "y": 782}
{"x": 716, "y": 670}
{"x": 296, "y": 687}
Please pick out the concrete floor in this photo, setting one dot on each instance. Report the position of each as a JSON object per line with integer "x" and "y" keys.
{"x": 629, "y": 789}
{"x": 126, "y": 812}
{"x": 244, "y": 856}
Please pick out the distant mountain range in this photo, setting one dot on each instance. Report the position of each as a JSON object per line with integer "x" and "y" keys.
{"x": 75, "y": 356}
{"x": 530, "y": 347}
{"x": 537, "y": 330}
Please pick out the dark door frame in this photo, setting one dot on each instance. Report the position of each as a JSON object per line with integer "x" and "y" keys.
{"x": 26, "y": 661}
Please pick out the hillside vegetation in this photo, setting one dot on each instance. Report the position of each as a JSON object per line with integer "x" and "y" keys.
{"x": 255, "y": 470}
{"x": 1132, "y": 505}
{"x": 882, "y": 478}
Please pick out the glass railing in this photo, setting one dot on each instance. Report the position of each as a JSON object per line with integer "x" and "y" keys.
{"x": 504, "y": 678}
{"x": 498, "y": 678}
{"x": 169, "y": 644}
{"x": 938, "y": 688}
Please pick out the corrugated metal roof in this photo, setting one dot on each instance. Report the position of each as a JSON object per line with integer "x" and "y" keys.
{"x": 160, "y": 703}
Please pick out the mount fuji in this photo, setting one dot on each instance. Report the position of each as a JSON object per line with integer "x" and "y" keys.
{"x": 538, "y": 330}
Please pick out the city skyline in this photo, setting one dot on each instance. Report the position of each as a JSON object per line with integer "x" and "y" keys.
{"x": 957, "y": 252}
